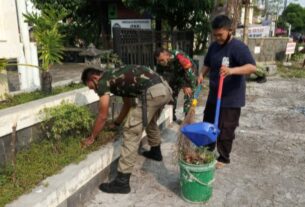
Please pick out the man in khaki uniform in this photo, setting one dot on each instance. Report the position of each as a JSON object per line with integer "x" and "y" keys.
{"x": 129, "y": 82}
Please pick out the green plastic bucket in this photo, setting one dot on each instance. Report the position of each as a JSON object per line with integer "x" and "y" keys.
{"x": 196, "y": 181}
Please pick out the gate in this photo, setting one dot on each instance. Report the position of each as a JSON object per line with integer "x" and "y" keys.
{"x": 137, "y": 46}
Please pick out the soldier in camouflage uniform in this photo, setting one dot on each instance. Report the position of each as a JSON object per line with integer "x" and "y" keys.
{"x": 179, "y": 71}
{"x": 129, "y": 82}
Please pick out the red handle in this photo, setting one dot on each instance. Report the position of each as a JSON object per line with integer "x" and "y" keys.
{"x": 220, "y": 86}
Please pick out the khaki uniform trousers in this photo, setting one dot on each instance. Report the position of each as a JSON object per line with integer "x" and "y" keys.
{"x": 157, "y": 97}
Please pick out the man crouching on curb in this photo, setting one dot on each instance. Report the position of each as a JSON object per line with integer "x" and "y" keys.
{"x": 129, "y": 82}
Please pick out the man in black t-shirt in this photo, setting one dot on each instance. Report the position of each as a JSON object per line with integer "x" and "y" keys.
{"x": 240, "y": 63}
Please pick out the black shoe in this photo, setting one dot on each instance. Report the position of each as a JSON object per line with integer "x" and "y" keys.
{"x": 154, "y": 153}
{"x": 261, "y": 79}
{"x": 174, "y": 118}
{"x": 119, "y": 185}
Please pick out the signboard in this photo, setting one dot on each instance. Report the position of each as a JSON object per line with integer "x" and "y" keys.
{"x": 259, "y": 31}
{"x": 255, "y": 31}
{"x": 131, "y": 23}
{"x": 257, "y": 50}
{"x": 290, "y": 48}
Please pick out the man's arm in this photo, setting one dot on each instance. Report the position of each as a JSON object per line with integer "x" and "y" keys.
{"x": 189, "y": 79}
{"x": 241, "y": 70}
{"x": 127, "y": 103}
{"x": 245, "y": 61}
{"x": 204, "y": 71}
{"x": 100, "y": 119}
{"x": 189, "y": 82}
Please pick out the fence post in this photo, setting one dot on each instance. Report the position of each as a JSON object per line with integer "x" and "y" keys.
{"x": 117, "y": 41}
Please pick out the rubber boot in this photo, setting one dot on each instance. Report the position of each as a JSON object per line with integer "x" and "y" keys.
{"x": 154, "y": 153}
{"x": 119, "y": 185}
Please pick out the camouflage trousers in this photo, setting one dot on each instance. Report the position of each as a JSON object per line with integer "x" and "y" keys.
{"x": 157, "y": 97}
{"x": 186, "y": 104}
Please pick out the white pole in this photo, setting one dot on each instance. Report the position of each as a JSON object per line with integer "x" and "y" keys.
{"x": 35, "y": 84}
{"x": 22, "y": 72}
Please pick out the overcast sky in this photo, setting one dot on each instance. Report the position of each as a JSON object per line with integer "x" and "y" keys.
{"x": 302, "y": 2}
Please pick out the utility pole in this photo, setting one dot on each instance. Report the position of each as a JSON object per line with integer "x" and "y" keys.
{"x": 246, "y": 3}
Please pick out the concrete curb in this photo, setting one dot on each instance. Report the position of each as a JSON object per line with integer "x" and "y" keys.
{"x": 26, "y": 115}
{"x": 57, "y": 189}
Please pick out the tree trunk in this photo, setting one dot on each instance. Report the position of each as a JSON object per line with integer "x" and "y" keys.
{"x": 246, "y": 21}
{"x": 233, "y": 11}
{"x": 46, "y": 82}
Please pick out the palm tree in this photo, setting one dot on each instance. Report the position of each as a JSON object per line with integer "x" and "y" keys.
{"x": 49, "y": 40}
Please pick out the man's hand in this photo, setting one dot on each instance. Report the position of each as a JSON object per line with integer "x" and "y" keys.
{"x": 200, "y": 79}
{"x": 113, "y": 126}
{"x": 87, "y": 142}
{"x": 187, "y": 91}
{"x": 225, "y": 71}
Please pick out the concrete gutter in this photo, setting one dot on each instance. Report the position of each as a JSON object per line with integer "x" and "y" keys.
{"x": 61, "y": 189}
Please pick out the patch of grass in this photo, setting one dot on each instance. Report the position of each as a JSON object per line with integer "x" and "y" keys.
{"x": 63, "y": 128}
{"x": 293, "y": 71}
{"x": 27, "y": 97}
{"x": 42, "y": 160}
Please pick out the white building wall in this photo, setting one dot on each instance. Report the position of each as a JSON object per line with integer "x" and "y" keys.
{"x": 10, "y": 46}
{"x": 15, "y": 42}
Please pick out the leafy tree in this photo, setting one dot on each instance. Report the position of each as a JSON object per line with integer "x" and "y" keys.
{"x": 82, "y": 20}
{"x": 180, "y": 15}
{"x": 294, "y": 14}
{"x": 281, "y": 23}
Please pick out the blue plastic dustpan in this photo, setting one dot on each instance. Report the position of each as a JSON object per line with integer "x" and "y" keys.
{"x": 201, "y": 134}
{"x": 205, "y": 133}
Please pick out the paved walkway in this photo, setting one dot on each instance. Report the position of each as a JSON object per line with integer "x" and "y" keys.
{"x": 268, "y": 159}
{"x": 67, "y": 71}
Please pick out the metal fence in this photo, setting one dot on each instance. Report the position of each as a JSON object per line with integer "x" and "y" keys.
{"x": 137, "y": 46}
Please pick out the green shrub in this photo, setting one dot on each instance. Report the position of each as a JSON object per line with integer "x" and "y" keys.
{"x": 294, "y": 71}
{"x": 297, "y": 56}
{"x": 66, "y": 120}
{"x": 111, "y": 58}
